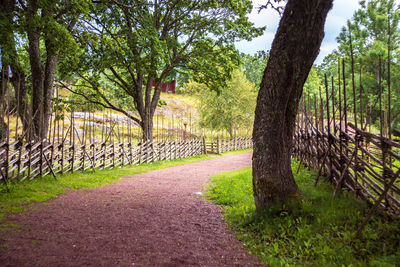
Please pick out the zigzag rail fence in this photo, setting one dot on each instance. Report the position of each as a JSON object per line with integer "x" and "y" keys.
{"x": 340, "y": 147}
{"x": 68, "y": 148}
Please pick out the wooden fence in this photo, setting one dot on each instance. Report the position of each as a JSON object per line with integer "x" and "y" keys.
{"x": 19, "y": 161}
{"x": 225, "y": 145}
{"x": 364, "y": 163}
{"x": 340, "y": 148}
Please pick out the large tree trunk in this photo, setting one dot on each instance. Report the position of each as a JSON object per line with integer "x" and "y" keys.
{"x": 4, "y": 131}
{"x": 294, "y": 49}
{"x": 10, "y": 55}
{"x": 48, "y": 92}
{"x": 6, "y": 8}
{"x": 42, "y": 76}
{"x": 148, "y": 108}
{"x": 37, "y": 69}
{"x": 49, "y": 74}
{"x": 147, "y": 127}
{"x": 19, "y": 84}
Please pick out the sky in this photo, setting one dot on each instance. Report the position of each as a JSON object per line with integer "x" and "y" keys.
{"x": 342, "y": 11}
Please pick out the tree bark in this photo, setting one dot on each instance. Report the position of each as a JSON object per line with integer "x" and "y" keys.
{"x": 230, "y": 132}
{"x": 148, "y": 107}
{"x": 19, "y": 83}
{"x": 48, "y": 91}
{"x": 33, "y": 33}
{"x": 294, "y": 49}
{"x": 147, "y": 127}
{"x": 4, "y": 131}
{"x": 6, "y": 8}
{"x": 42, "y": 76}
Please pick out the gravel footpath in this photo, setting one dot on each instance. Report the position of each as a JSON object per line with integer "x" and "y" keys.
{"x": 149, "y": 219}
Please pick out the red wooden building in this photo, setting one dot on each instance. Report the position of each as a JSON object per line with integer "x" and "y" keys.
{"x": 168, "y": 87}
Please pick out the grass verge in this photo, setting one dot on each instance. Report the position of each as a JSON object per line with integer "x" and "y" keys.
{"x": 317, "y": 230}
{"x": 23, "y": 194}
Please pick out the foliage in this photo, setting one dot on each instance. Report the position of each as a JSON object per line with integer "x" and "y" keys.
{"x": 36, "y": 38}
{"x": 133, "y": 46}
{"x": 54, "y": 21}
{"x": 193, "y": 88}
{"x": 314, "y": 230}
{"x": 253, "y": 67}
{"x": 231, "y": 108}
{"x": 373, "y": 33}
{"x": 313, "y": 84}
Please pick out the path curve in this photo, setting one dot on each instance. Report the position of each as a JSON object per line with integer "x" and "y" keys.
{"x": 149, "y": 219}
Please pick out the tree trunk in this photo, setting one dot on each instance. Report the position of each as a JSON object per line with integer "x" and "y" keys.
{"x": 230, "y": 132}
{"x": 42, "y": 76}
{"x": 19, "y": 83}
{"x": 147, "y": 110}
{"x": 147, "y": 127}
{"x": 6, "y": 43}
{"x": 4, "y": 131}
{"x": 294, "y": 49}
{"x": 36, "y": 68}
{"x": 48, "y": 91}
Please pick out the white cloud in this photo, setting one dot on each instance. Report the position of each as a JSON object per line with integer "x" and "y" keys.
{"x": 260, "y": 43}
{"x": 267, "y": 17}
{"x": 326, "y": 49}
{"x": 342, "y": 11}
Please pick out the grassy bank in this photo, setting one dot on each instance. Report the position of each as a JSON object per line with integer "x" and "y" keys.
{"x": 317, "y": 230}
{"x": 23, "y": 194}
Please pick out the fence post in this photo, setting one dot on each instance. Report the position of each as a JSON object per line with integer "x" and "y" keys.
{"x": 175, "y": 149}
{"x": 140, "y": 151}
{"x": 204, "y": 146}
{"x": 6, "y": 167}
{"x": 40, "y": 160}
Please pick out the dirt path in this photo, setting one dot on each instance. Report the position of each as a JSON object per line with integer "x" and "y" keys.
{"x": 150, "y": 219}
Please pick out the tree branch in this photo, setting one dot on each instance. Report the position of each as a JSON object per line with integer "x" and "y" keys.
{"x": 109, "y": 104}
{"x": 269, "y": 3}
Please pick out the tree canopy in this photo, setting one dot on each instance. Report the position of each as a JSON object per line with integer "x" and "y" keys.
{"x": 231, "y": 109}
{"x": 35, "y": 37}
{"x": 134, "y": 47}
{"x": 253, "y": 67}
{"x": 372, "y": 36}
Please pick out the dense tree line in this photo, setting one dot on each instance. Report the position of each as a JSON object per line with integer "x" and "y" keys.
{"x": 371, "y": 40}
{"x": 231, "y": 109}
{"x": 116, "y": 54}
{"x": 35, "y": 37}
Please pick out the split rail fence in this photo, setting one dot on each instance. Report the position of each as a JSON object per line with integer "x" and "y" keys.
{"x": 76, "y": 150}
{"x": 341, "y": 149}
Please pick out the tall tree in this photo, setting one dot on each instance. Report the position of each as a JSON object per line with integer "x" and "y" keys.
{"x": 9, "y": 28}
{"x": 41, "y": 31}
{"x": 375, "y": 38}
{"x": 232, "y": 108}
{"x": 136, "y": 45}
{"x": 6, "y": 8}
{"x": 294, "y": 49}
{"x": 253, "y": 67}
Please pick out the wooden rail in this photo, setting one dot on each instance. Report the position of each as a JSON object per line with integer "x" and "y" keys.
{"x": 28, "y": 161}
{"x": 362, "y": 162}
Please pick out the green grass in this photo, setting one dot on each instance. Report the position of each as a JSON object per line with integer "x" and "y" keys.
{"x": 234, "y": 152}
{"x": 23, "y": 194}
{"x": 316, "y": 230}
